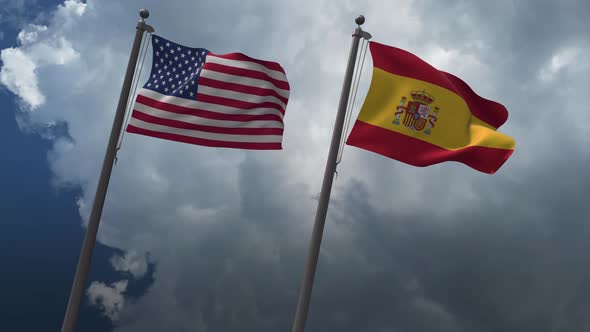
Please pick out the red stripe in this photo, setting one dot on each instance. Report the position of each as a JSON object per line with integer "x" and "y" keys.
{"x": 403, "y": 63}
{"x": 204, "y": 113}
{"x": 246, "y": 73}
{"x": 242, "y": 57}
{"x": 488, "y": 111}
{"x": 210, "y": 129}
{"x": 204, "y": 142}
{"x": 415, "y": 152}
{"x": 237, "y": 103}
{"x": 241, "y": 88}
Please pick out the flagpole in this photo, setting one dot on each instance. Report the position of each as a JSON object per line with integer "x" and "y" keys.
{"x": 83, "y": 267}
{"x": 322, "y": 209}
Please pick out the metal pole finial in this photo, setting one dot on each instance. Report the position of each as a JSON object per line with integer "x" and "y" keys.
{"x": 359, "y": 20}
{"x": 144, "y": 13}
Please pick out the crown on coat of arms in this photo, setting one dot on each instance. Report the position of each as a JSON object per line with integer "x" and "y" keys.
{"x": 422, "y": 97}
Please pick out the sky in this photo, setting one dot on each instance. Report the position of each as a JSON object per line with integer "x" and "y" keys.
{"x": 202, "y": 239}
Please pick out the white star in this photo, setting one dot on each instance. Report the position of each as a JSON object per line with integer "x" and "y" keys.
{"x": 176, "y": 76}
{"x": 186, "y": 62}
{"x": 154, "y": 76}
{"x": 174, "y": 87}
{"x": 149, "y": 84}
{"x": 170, "y": 62}
{"x": 161, "y": 77}
{"x": 183, "y": 72}
{"x": 175, "y": 58}
{"x": 157, "y": 86}
{"x": 161, "y": 48}
{"x": 159, "y": 71}
{"x": 191, "y": 93}
{"x": 178, "y": 48}
{"x": 167, "y": 73}
{"x": 192, "y": 58}
{"x": 180, "y": 65}
{"x": 171, "y": 51}
{"x": 167, "y": 44}
{"x": 166, "y": 89}
{"x": 170, "y": 79}
{"x": 163, "y": 82}
{"x": 182, "y": 55}
{"x": 179, "y": 82}
{"x": 174, "y": 70}
{"x": 156, "y": 40}
{"x": 165, "y": 67}
{"x": 157, "y": 53}
{"x": 162, "y": 60}
{"x": 166, "y": 55}
{"x": 156, "y": 65}
{"x": 155, "y": 81}
{"x": 193, "y": 83}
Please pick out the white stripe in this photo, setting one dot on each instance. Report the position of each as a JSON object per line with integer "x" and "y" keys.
{"x": 277, "y": 75}
{"x": 244, "y": 81}
{"x": 230, "y": 94}
{"x": 193, "y": 104}
{"x": 206, "y": 135}
{"x": 204, "y": 121}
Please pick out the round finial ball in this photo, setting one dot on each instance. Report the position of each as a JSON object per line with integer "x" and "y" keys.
{"x": 360, "y": 20}
{"x": 144, "y": 13}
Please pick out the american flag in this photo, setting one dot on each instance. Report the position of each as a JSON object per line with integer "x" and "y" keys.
{"x": 218, "y": 100}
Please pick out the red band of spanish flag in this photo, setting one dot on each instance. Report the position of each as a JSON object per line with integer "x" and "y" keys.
{"x": 421, "y": 116}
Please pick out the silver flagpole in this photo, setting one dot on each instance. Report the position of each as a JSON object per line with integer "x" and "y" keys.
{"x": 322, "y": 210}
{"x": 83, "y": 267}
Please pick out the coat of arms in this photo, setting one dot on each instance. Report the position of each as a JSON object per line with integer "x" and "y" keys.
{"x": 417, "y": 113}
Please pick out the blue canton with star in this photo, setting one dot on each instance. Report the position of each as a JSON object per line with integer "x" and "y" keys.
{"x": 175, "y": 68}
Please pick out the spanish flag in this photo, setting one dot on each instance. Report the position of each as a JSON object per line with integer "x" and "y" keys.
{"x": 422, "y": 116}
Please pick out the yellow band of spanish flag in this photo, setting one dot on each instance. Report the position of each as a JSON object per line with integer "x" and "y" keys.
{"x": 419, "y": 115}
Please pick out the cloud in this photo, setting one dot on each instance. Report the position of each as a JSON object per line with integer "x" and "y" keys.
{"x": 565, "y": 59}
{"x": 71, "y": 8}
{"x": 405, "y": 249}
{"x": 18, "y": 75}
{"x": 30, "y": 34}
{"x": 131, "y": 262}
{"x": 38, "y": 48}
{"x": 109, "y": 299}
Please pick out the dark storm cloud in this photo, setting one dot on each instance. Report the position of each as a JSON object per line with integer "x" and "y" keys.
{"x": 507, "y": 259}
{"x": 518, "y": 264}
{"x": 515, "y": 38}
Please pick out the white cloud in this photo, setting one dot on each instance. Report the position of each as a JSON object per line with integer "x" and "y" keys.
{"x": 72, "y": 8}
{"x": 39, "y": 49}
{"x": 109, "y": 299}
{"x": 30, "y": 34}
{"x": 18, "y": 75}
{"x": 131, "y": 262}
{"x": 560, "y": 60}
